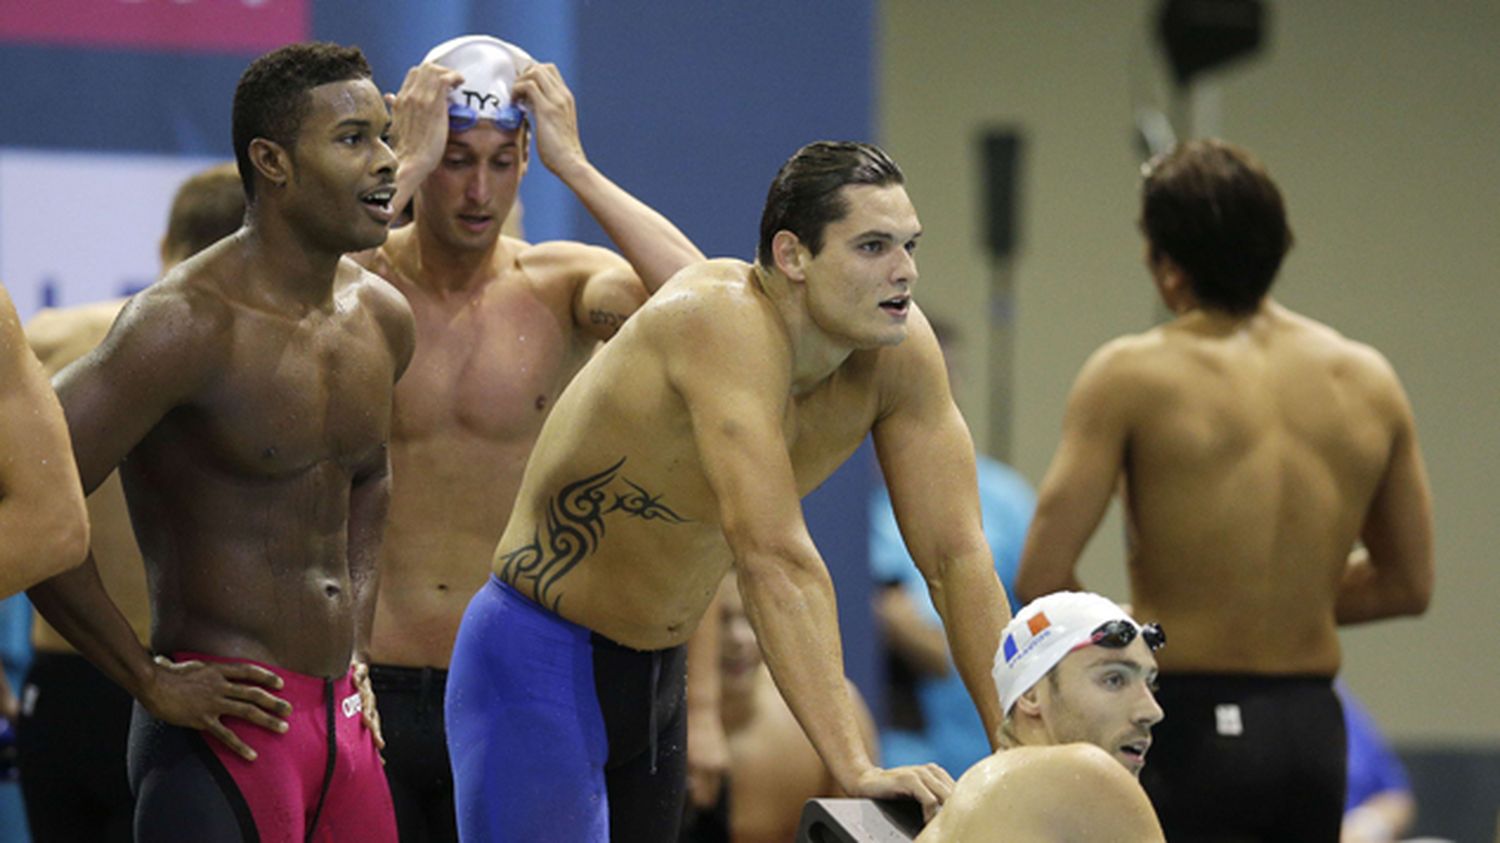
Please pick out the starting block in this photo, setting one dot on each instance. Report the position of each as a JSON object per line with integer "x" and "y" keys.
{"x": 860, "y": 821}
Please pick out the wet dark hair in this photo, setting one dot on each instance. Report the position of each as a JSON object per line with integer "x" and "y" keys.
{"x": 271, "y": 98}
{"x": 804, "y": 197}
{"x": 1211, "y": 207}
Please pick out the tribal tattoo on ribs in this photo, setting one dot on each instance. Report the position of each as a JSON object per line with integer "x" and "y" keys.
{"x": 573, "y": 527}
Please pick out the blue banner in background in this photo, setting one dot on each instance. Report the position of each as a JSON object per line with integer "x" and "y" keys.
{"x": 691, "y": 106}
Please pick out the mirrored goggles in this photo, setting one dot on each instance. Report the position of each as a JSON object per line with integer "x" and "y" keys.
{"x": 1117, "y": 635}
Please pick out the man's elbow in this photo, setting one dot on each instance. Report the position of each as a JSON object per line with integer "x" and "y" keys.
{"x": 50, "y": 543}
{"x": 1418, "y": 594}
{"x": 66, "y": 537}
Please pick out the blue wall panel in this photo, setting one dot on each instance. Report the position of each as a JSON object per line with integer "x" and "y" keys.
{"x": 117, "y": 100}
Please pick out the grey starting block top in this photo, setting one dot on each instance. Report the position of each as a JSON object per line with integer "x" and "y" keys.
{"x": 859, "y": 821}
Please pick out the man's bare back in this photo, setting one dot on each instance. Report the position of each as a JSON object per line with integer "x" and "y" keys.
{"x": 1256, "y": 446}
{"x": 1255, "y": 451}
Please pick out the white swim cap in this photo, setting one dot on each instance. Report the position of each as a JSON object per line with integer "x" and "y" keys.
{"x": 1051, "y": 627}
{"x": 489, "y": 67}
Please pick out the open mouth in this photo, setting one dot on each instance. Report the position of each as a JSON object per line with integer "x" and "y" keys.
{"x": 475, "y": 221}
{"x": 1136, "y": 751}
{"x": 897, "y": 306}
{"x": 379, "y": 199}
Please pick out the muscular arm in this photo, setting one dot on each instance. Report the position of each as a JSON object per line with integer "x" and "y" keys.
{"x": 1076, "y": 490}
{"x": 786, "y": 588}
{"x": 1395, "y": 576}
{"x": 419, "y": 126}
{"x": 928, "y": 460}
{"x": 654, "y": 247}
{"x": 43, "y": 525}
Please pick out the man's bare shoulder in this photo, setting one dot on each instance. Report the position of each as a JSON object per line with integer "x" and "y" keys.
{"x": 1130, "y": 353}
{"x": 712, "y": 314}
{"x": 381, "y": 299}
{"x": 562, "y": 261}
{"x": 1346, "y": 356}
{"x": 708, "y": 292}
{"x": 194, "y": 301}
{"x": 180, "y": 328}
{"x": 1066, "y": 792}
{"x": 372, "y": 288}
{"x": 58, "y": 336}
{"x": 1042, "y": 767}
{"x": 1127, "y": 371}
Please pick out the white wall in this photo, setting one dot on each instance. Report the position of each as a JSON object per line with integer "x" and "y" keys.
{"x": 1381, "y": 121}
{"x": 88, "y": 224}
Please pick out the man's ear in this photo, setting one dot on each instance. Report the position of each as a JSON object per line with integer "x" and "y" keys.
{"x": 1029, "y": 703}
{"x": 272, "y": 161}
{"x": 1176, "y": 286}
{"x": 790, "y": 255}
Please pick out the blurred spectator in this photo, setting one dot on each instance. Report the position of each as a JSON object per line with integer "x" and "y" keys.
{"x": 1378, "y": 806}
{"x": 930, "y": 716}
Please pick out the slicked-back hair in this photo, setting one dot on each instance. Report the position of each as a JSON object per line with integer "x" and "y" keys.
{"x": 208, "y": 206}
{"x": 805, "y": 196}
{"x": 271, "y": 98}
{"x": 1211, "y": 207}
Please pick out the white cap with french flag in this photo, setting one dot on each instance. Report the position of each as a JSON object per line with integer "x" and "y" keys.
{"x": 1043, "y": 633}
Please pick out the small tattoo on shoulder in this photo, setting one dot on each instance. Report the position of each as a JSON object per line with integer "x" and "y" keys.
{"x": 606, "y": 317}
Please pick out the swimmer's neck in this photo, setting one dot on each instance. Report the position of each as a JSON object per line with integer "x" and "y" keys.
{"x": 425, "y": 262}
{"x": 1209, "y": 320}
{"x": 287, "y": 271}
{"x": 815, "y": 355}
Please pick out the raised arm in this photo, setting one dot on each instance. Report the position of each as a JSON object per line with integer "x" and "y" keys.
{"x": 1085, "y": 469}
{"x": 654, "y": 247}
{"x": 1395, "y": 574}
{"x": 419, "y": 126}
{"x": 162, "y": 349}
{"x": 928, "y": 461}
{"x": 43, "y": 525}
{"x": 788, "y": 594}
